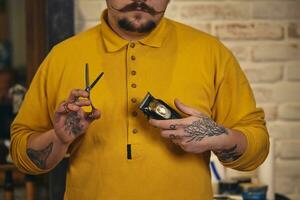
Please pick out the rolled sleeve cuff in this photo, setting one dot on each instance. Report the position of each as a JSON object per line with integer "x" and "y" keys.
{"x": 252, "y": 157}
{"x": 22, "y": 160}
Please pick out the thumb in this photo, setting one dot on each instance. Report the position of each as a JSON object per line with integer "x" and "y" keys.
{"x": 186, "y": 109}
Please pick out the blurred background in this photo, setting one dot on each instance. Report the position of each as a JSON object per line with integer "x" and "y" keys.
{"x": 264, "y": 35}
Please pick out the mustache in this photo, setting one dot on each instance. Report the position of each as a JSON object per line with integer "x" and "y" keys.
{"x": 139, "y": 6}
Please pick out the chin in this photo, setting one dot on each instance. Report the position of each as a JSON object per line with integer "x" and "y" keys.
{"x": 137, "y": 23}
{"x": 139, "y": 16}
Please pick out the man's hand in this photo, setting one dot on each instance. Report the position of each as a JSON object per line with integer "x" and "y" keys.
{"x": 198, "y": 133}
{"x": 70, "y": 121}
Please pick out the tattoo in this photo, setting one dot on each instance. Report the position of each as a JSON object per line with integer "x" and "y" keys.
{"x": 72, "y": 123}
{"x": 228, "y": 155}
{"x": 204, "y": 127}
{"x": 173, "y": 127}
{"x": 172, "y": 136}
{"x": 75, "y": 100}
{"x": 39, "y": 157}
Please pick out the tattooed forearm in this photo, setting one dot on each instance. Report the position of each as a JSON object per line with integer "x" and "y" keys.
{"x": 39, "y": 157}
{"x": 228, "y": 155}
{"x": 204, "y": 127}
{"x": 72, "y": 123}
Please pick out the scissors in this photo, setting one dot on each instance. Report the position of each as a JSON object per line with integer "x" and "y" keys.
{"x": 89, "y": 87}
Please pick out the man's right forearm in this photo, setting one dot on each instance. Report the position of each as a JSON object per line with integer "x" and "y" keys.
{"x": 45, "y": 150}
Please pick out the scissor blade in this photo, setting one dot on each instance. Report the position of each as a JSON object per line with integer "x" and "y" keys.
{"x": 87, "y": 81}
{"x": 95, "y": 81}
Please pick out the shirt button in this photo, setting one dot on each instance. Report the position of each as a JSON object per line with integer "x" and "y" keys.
{"x": 135, "y": 131}
{"x": 134, "y": 113}
{"x": 133, "y": 100}
{"x": 133, "y": 58}
{"x": 133, "y": 85}
{"x": 133, "y": 72}
{"x": 132, "y": 45}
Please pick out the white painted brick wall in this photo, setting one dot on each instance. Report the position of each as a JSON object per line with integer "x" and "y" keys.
{"x": 265, "y": 37}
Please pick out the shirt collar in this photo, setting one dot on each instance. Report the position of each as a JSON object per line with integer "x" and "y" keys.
{"x": 114, "y": 42}
{"x": 157, "y": 36}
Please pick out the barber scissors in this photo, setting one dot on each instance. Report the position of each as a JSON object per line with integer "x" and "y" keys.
{"x": 89, "y": 87}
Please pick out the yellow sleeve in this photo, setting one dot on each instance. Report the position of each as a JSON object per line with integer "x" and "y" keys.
{"x": 235, "y": 108}
{"x": 33, "y": 118}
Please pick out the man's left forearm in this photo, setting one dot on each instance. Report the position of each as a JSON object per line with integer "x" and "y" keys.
{"x": 233, "y": 146}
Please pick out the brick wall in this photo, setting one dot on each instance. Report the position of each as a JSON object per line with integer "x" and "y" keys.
{"x": 265, "y": 37}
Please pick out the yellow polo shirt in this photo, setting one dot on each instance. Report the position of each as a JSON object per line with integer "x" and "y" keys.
{"x": 174, "y": 61}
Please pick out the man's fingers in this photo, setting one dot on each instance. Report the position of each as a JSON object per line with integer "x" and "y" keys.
{"x": 61, "y": 107}
{"x": 186, "y": 109}
{"x": 94, "y": 115}
{"x": 167, "y": 124}
{"x": 83, "y": 102}
{"x": 76, "y": 93}
{"x": 72, "y": 107}
{"x": 67, "y": 107}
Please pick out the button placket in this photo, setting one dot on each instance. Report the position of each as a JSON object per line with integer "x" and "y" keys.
{"x": 133, "y": 58}
{"x": 132, "y": 45}
{"x": 133, "y": 85}
{"x": 134, "y": 113}
{"x": 132, "y": 98}
{"x": 135, "y": 131}
{"x": 133, "y": 72}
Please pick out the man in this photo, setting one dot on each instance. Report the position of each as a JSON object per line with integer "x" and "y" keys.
{"x": 123, "y": 155}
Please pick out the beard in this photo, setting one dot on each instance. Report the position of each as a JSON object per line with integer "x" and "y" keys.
{"x": 127, "y": 25}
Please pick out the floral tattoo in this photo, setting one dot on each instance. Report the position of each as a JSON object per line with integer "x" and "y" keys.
{"x": 39, "y": 157}
{"x": 72, "y": 123}
{"x": 204, "y": 127}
